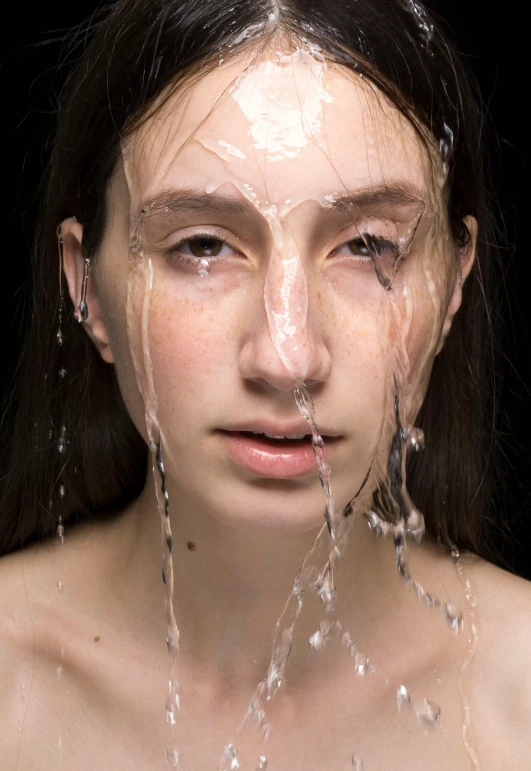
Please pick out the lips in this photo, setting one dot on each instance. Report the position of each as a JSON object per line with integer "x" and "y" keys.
{"x": 255, "y": 452}
{"x": 285, "y": 428}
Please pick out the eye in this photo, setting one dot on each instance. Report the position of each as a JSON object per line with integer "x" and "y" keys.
{"x": 202, "y": 247}
{"x": 369, "y": 248}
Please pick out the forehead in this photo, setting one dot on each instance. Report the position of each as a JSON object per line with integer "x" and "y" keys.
{"x": 283, "y": 128}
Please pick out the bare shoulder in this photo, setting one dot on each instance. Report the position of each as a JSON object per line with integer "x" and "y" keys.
{"x": 19, "y": 624}
{"x": 501, "y": 693}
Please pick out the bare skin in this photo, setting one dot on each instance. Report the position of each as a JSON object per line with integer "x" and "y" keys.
{"x": 109, "y": 708}
{"x": 249, "y": 534}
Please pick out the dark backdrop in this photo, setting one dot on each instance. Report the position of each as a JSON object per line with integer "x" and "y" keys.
{"x": 496, "y": 45}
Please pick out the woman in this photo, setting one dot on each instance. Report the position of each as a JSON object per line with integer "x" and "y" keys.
{"x": 270, "y": 224}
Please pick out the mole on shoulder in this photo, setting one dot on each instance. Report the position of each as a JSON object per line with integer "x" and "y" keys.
{"x": 96, "y": 639}
{"x": 191, "y": 546}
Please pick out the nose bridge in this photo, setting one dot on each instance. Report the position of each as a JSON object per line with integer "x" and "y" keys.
{"x": 289, "y": 350}
{"x": 286, "y": 304}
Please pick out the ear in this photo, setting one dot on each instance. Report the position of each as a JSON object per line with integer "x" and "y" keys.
{"x": 467, "y": 258}
{"x": 71, "y": 231}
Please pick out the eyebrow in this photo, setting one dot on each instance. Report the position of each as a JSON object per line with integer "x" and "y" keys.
{"x": 397, "y": 194}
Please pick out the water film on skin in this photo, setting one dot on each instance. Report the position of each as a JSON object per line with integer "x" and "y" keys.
{"x": 279, "y": 103}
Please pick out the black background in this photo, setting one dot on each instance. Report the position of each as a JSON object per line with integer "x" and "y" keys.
{"x": 496, "y": 45}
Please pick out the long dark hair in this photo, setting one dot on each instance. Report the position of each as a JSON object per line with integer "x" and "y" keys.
{"x": 70, "y": 449}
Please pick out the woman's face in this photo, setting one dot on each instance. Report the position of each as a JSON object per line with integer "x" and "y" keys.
{"x": 257, "y": 223}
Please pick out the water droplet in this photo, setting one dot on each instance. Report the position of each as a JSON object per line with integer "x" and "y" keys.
{"x": 61, "y": 442}
{"x": 62, "y": 491}
{"x": 170, "y": 716}
{"x": 172, "y": 757}
{"x": 424, "y": 24}
{"x": 453, "y": 616}
{"x": 348, "y": 642}
{"x": 377, "y": 524}
{"x": 204, "y": 267}
{"x": 60, "y": 586}
{"x": 231, "y": 755}
{"x": 429, "y": 713}
{"x": 319, "y": 640}
{"x": 60, "y": 530}
{"x": 59, "y": 673}
{"x": 274, "y": 679}
{"x": 357, "y": 764}
{"x": 262, "y": 763}
{"x": 62, "y": 372}
{"x": 361, "y": 664}
{"x": 327, "y": 592}
{"x": 415, "y": 525}
{"x": 402, "y": 696}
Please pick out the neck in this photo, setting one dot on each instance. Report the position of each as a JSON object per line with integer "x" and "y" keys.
{"x": 231, "y": 586}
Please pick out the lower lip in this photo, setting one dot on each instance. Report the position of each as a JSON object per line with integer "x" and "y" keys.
{"x": 271, "y": 460}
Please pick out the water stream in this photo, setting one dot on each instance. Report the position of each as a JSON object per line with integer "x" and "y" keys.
{"x": 286, "y": 305}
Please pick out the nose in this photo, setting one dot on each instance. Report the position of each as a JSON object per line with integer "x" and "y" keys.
{"x": 307, "y": 360}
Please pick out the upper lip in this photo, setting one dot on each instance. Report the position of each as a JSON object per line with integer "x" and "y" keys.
{"x": 293, "y": 428}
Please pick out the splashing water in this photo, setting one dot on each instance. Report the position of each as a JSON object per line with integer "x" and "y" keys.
{"x": 421, "y": 16}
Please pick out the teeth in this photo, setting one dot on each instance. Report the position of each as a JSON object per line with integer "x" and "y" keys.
{"x": 272, "y": 436}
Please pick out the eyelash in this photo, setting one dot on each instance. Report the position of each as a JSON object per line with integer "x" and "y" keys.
{"x": 173, "y": 252}
{"x": 365, "y": 241}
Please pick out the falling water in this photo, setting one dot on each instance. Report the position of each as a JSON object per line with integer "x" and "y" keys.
{"x": 306, "y": 407}
{"x": 141, "y": 275}
{"x": 405, "y": 521}
{"x": 61, "y": 446}
{"x": 473, "y": 642}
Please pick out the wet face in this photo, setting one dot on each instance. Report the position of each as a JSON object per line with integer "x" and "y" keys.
{"x": 275, "y": 223}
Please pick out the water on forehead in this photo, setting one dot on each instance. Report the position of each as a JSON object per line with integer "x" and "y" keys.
{"x": 288, "y": 128}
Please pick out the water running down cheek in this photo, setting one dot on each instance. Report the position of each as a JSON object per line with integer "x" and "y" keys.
{"x": 291, "y": 318}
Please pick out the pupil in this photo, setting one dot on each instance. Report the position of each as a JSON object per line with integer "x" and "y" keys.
{"x": 205, "y": 247}
{"x": 360, "y": 247}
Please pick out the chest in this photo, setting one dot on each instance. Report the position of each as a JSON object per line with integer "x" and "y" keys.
{"x": 111, "y": 720}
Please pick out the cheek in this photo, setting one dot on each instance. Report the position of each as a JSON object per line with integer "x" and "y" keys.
{"x": 422, "y": 327}
{"x": 193, "y": 341}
